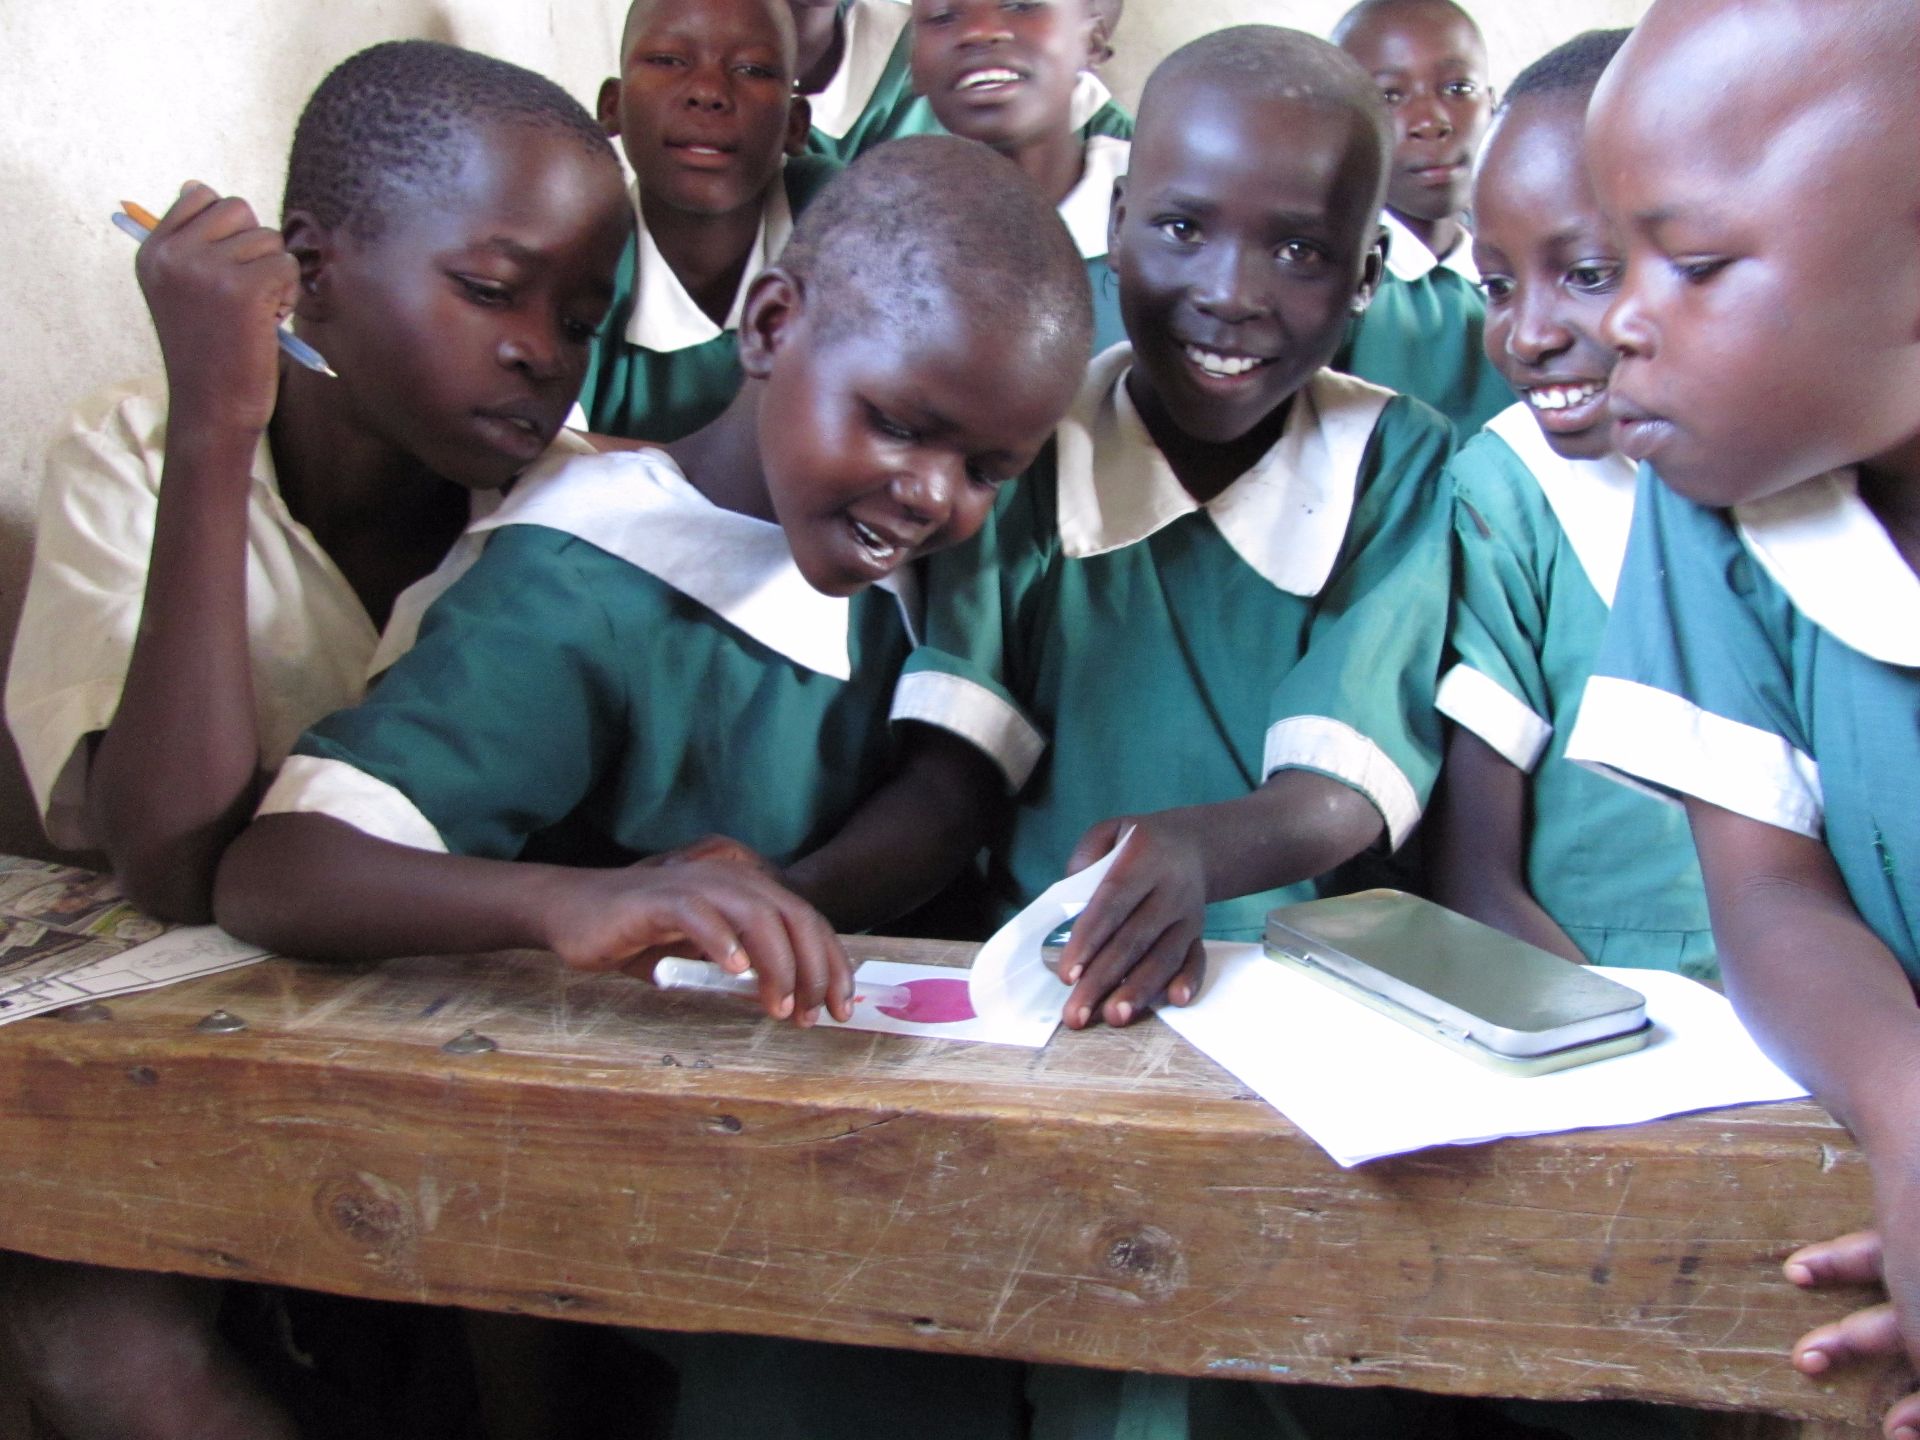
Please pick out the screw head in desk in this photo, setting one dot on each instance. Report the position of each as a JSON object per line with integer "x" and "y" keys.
{"x": 220, "y": 1022}
{"x": 469, "y": 1042}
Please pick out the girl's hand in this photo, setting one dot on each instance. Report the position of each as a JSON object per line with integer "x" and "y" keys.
{"x": 728, "y": 913}
{"x": 218, "y": 284}
{"x": 1138, "y": 940}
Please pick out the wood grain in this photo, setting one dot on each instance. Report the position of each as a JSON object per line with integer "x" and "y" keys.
{"x": 1114, "y": 1200}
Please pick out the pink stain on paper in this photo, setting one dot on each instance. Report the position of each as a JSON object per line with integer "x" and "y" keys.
{"x": 932, "y": 1002}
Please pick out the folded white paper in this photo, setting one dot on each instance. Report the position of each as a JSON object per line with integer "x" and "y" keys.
{"x": 933, "y": 987}
{"x": 1362, "y": 1085}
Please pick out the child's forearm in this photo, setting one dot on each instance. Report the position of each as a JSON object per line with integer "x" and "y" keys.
{"x": 909, "y": 839}
{"x": 313, "y": 886}
{"x": 1298, "y": 825}
{"x": 172, "y": 780}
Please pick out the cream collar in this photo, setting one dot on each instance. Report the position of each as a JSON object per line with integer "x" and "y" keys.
{"x": 1592, "y": 499}
{"x": 665, "y": 317}
{"x": 1408, "y": 257}
{"x": 1088, "y": 204}
{"x": 873, "y": 29}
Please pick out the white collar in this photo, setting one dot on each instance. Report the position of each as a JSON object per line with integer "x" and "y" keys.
{"x": 873, "y": 28}
{"x": 1090, "y": 92}
{"x": 1592, "y": 499}
{"x": 1286, "y": 517}
{"x": 665, "y": 317}
{"x": 1088, "y": 204}
{"x": 635, "y": 504}
{"x": 1826, "y": 548}
{"x": 1408, "y": 257}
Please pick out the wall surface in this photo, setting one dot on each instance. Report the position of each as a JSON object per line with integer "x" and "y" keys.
{"x": 109, "y": 101}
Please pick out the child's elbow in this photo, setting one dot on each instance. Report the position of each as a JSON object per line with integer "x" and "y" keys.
{"x": 164, "y": 886}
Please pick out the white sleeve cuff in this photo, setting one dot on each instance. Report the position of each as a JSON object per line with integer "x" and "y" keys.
{"x": 310, "y": 785}
{"x": 1628, "y": 730}
{"x": 1475, "y": 701}
{"x": 977, "y": 715}
{"x": 1315, "y": 742}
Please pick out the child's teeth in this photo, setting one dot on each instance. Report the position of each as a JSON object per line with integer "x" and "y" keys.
{"x": 1216, "y": 364}
{"x": 1561, "y": 397}
{"x": 988, "y": 77}
{"x": 871, "y": 540}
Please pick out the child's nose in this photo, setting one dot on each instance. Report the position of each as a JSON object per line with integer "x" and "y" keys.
{"x": 1624, "y": 326}
{"x": 984, "y": 25}
{"x": 707, "y": 88}
{"x": 535, "y": 349}
{"x": 1429, "y": 119}
{"x": 1536, "y": 332}
{"x": 1230, "y": 288}
{"x": 927, "y": 490}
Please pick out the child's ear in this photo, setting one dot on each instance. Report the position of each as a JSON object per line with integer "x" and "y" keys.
{"x": 1099, "y": 43}
{"x": 311, "y": 245}
{"x": 799, "y": 124}
{"x": 607, "y": 107}
{"x": 776, "y": 300}
{"x": 1373, "y": 267}
{"x": 1116, "y": 213}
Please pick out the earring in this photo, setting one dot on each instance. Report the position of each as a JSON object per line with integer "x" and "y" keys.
{"x": 1358, "y": 305}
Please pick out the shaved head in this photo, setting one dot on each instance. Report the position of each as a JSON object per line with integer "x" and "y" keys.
{"x": 778, "y": 12}
{"x": 1370, "y": 12}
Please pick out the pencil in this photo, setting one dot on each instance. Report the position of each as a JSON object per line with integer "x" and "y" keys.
{"x": 139, "y": 222}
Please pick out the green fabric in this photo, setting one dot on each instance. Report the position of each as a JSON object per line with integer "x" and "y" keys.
{"x": 1423, "y": 338}
{"x": 1616, "y": 868}
{"x": 556, "y": 682}
{"x": 664, "y": 395}
{"x": 1108, "y": 328}
{"x": 1155, "y": 670}
{"x": 1697, "y": 617}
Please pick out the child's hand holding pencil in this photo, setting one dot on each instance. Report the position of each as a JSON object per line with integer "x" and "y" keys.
{"x": 218, "y": 284}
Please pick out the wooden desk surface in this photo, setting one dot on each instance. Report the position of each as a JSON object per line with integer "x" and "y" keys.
{"x": 1115, "y": 1199}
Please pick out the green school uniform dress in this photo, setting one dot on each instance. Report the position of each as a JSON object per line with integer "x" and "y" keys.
{"x": 1767, "y": 660}
{"x": 1115, "y": 647}
{"x": 1422, "y": 334}
{"x": 1538, "y": 542}
{"x": 871, "y": 99}
{"x": 627, "y": 659}
{"x": 661, "y": 368}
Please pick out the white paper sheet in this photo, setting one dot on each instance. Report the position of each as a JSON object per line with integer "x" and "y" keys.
{"x": 1010, "y": 981}
{"x": 1363, "y": 1086}
{"x": 995, "y": 1030}
{"x": 185, "y": 953}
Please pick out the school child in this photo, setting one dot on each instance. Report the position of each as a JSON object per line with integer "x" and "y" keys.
{"x": 1217, "y": 607}
{"x": 704, "y": 108}
{"x": 856, "y": 72}
{"x": 1524, "y": 840}
{"x": 230, "y": 543}
{"x": 661, "y": 644}
{"x": 1007, "y": 75}
{"x": 1763, "y": 658}
{"x": 1422, "y": 333}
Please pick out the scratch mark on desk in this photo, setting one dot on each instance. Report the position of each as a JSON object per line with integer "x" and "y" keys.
{"x": 1029, "y": 1242}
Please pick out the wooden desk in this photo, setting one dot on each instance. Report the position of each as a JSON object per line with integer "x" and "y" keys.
{"x": 1113, "y": 1200}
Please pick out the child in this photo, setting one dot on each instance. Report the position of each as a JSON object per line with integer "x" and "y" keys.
{"x": 856, "y": 72}
{"x": 660, "y": 644}
{"x": 1524, "y": 840}
{"x": 229, "y": 547}
{"x": 1007, "y": 75}
{"x": 704, "y": 108}
{"x": 1763, "y": 659}
{"x": 1219, "y": 605}
{"x": 1421, "y": 335}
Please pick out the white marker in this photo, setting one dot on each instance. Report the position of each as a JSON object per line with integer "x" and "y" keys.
{"x": 674, "y": 973}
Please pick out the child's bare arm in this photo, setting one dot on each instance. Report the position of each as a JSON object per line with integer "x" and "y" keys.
{"x": 1830, "y": 1002}
{"x": 308, "y": 884}
{"x": 172, "y": 779}
{"x": 909, "y": 839}
{"x": 1479, "y": 824}
{"x": 1139, "y": 936}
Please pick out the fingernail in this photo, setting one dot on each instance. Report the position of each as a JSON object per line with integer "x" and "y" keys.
{"x": 1082, "y": 1015}
{"x": 1814, "y": 1362}
{"x": 784, "y": 1008}
{"x": 1905, "y": 1432}
{"x": 1074, "y": 973}
{"x": 811, "y": 1016}
{"x": 1799, "y": 1274}
{"x": 1182, "y": 995}
{"x": 1122, "y": 1013}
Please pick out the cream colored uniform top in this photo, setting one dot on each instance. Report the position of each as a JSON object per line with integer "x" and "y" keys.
{"x": 313, "y": 646}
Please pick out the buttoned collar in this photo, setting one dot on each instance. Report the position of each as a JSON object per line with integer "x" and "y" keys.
{"x": 1287, "y": 517}
{"x": 1408, "y": 257}
{"x": 1825, "y": 547}
{"x": 1088, "y": 204}
{"x": 1592, "y": 499}
{"x": 872, "y": 29}
{"x": 665, "y": 317}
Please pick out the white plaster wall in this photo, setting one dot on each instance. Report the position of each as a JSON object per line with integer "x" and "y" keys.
{"x": 105, "y": 101}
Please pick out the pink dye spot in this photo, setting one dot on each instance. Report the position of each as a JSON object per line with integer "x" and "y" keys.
{"x": 933, "y": 1002}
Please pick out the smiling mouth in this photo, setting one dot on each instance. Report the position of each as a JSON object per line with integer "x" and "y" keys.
{"x": 993, "y": 77}
{"x": 1564, "y": 397}
{"x": 878, "y": 547}
{"x": 1221, "y": 366}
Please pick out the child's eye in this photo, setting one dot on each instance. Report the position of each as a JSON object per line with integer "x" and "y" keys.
{"x": 758, "y": 72}
{"x": 890, "y": 427}
{"x": 1498, "y": 288}
{"x": 980, "y": 475}
{"x": 1298, "y": 254}
{"x": 1462, "y": 89}
{"x": 1392, "y": 96}
{"x": 1179, "y": 229}
{"x": 483, "y": 292}
{"x": 1697, "y": 270}
{"x": 580, "y": 332}
{"x": 1594, "y": 277}
{"x": 663, "y": 60}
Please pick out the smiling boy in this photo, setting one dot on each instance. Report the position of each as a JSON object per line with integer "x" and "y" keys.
{"x": 1763, "y": 661}
{"x": 1422, "y": 334}
{"x": 663, "y": 644}
{"x": 704, "y": 108}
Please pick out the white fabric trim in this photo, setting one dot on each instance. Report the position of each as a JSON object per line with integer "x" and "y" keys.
{"x": 665, "y": 317}
{"x": 977, "y": 715}
{"x": 1408, "y": 257}
{"x": 1592, "y": 499}
{"x": 636, "y": 505}
{"x": 873, "y": 28}
{"x": 1824, "y": 546}
{"x": 1286, "y": 517}
{"x": 310, "y": 785}
{"x": 1476, "y": 701}
{"x": 1317, "y": 742}
{"x": 1090, "y": 92}
{"x": 1627, "y": 729}
{"x": 1088, "y": 204}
